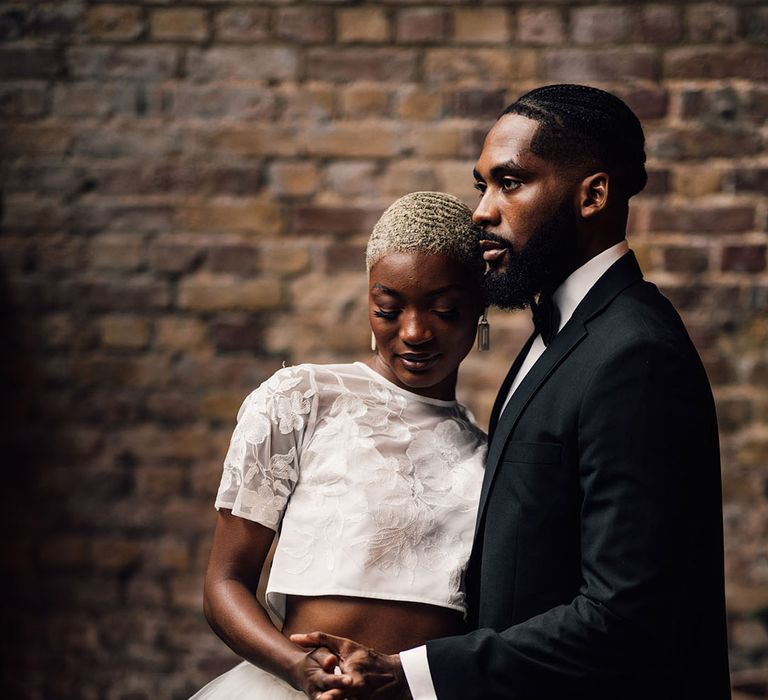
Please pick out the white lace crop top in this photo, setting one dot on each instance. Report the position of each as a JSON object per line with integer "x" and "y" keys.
{"x": 374, "y": 489}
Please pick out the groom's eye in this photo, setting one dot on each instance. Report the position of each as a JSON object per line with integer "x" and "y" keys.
{"x": 510, "y": 183}
{"x": 480, "y": 187}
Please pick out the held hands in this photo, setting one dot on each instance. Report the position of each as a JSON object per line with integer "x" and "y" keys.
{"x": 365, "y": 673}
{"x": 314, "y": 675}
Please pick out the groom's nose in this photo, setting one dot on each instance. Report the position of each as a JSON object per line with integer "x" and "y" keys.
{"x": 487, "y": 212}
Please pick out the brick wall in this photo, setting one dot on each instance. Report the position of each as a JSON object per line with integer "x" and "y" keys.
{"x": 186, "y": 192}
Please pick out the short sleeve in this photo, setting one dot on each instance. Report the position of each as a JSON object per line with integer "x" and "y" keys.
{"x": 262, "y": 464}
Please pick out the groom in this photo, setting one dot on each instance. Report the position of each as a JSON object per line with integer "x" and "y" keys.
{"x": 597, "y": 567}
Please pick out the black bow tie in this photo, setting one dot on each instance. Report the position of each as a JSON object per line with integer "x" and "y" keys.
{"x": 546, "y": 317}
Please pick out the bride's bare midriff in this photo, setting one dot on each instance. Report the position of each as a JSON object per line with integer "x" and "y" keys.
{"x": 386, "y": 625}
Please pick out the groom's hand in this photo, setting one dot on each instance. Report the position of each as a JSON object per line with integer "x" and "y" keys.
{"x": 374, "y": 675}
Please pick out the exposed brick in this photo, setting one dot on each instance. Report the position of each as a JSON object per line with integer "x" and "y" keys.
{"x": 254, "y": 140}
{"x": 180, "y": 23}
{"x": 418, "y": 103}
{"x": 445, "y": 139}
{"x": 314, "y": 101}
{"x": 206, "y": 292}
{"x": 660, "y": 24}
{"x": 31, "y": 139}
{"x": 117, "y": 251}
{"x": 234, "y": 255}
{"x": 342, "y": 65}
{"x": 286, "y": 257}
{"x": 93, "y": 99}
{"x": 647, "y": 103}
{"x": 115, "y": 553}
{"x": 179, "y": 333}
{"x": 601, "y": 25}
{"x": 756, "y": 23}
{"x": 487, "y": 66}
{"x": 576, "y": 65}
{"x": 242, "y": 63}
{"x": 356, "y": 139}
{"x": 212, "y": 101}
{"x": 365, "y": 100}
{"x": 421, "y": 25}
{"x": 236, "y": 332}
{"x": 125, "y": 332}
{"x": 350, "y": 178}
{"x": 345, "y": 257}
{"x": 23, "y": 100}
{"x": 260, "y": 217}
{"x": 540, "y": 25}
{"x": 699, "y": 143}
{"x": 28, "y": 62}
{"x": 242, "y": 24}
{"x": 487, "y": 25}
{"x": 114, "y": 22}
{"x": 176, "y": 253}
{"x": 744, "y": 258}
{"x": 716, "y": 63}
{"x": 294, "y": 179}
{"x": 409, "y": 176}
{"x": 135, "y": 62}
{"x": 13, "y": 23}
{"x": 305, "y": 25}
{"x": 710, "y": 22}
{"x": 368, "y": 25}
{"x": 750, "y": 180}
{"x": 702, "y": 219}
{"x": 678, "y": 259}
{"x": 338, "y": 220}
{"x": 477, "y": 103}
{"x": 696, "y": 180}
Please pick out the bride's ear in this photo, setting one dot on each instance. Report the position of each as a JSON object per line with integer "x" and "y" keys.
{"x": 593, "y": 194}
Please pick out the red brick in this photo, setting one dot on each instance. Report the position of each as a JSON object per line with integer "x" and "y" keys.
{"x": 725, "y": 142}
{"x": 217, "y": 101}
{"x": 367, "y": 25}
{"x": 206, "y": 292}
{"x": 744, "y": 258}
{"x": 34, "y": 139}
{"x": 477, "y": 103}
{"x": 235, "y": 256}
{"x": 242, "y": 24}
{"x": 180, "y": 24}
{"x": 660, "y": 24}
{"x": 336, "y": 220}
{"x": 253, "y": 216}
{"x": 23, "y": 100}
{"x": 491, "y": 67}
{"x": 254, "y": 140}
{"x": 126, "y": 332}
{"x": 117, "y": 251}
{"x": 176, "y": 253}
{"x": 702, "y": 219}
{"x": 135, "y": 62}
{"x": 286, "y": 257}
{"x": 708, "y": 63}
{"x": 242, "y": 63}
{"x": 350, "y": 178}
{"x": 422, "y": 25}
{"x": 710, "y": 22}
{"x": 347, "y": 64}
{"x": 365, "y": 99}
{"x": 756, "y": 23}
{"x": 486, "y": 25}
{"x": 304, "y": 25}
{"x": 375, "y": 139}
{"x": 750, "y": 180}
{"x": 418, "y": 103}
{"x": 294, "y": 179}
{"x": 409, "y": 176}
{"x": 345, "y": 257}
{"x": 27, "y": 62}
{"x": 237, "y": 332}
{"x": 540, "y": 25}
{"x": 684, "y": 259}
{"x": 93, "y": 99}
{"x": 658, "y": 181}
{"x": 647, "y": 103}
{"x": 114, "y": 22}
{"x": 601, "y": 25}
{"x": 584, "y": 65}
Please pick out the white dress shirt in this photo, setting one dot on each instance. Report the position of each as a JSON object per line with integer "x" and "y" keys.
{"x": 566, "y": 297}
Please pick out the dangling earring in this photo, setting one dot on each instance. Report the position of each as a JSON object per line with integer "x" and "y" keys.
{"x": 373, "y": 342}
{"x": 484, "y": 332}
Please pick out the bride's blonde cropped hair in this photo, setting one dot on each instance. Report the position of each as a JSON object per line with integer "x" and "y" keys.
{"x": 430, "y": 222}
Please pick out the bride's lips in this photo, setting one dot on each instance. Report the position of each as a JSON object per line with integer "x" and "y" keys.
{"x": 492, "y": 250}
{"x": 417, "y": 362}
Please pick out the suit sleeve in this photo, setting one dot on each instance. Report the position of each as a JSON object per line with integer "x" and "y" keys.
{"x": 636, "y": 418}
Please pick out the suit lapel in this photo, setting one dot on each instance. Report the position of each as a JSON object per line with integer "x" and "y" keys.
{"x": 506, "y": 384}
{"x": 618, "y": 277}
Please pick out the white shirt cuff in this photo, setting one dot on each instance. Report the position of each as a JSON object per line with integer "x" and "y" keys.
{"x": 416, "y": 668}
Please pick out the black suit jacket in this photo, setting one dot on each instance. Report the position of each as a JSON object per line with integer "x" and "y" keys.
{"x": 597, "y": 567}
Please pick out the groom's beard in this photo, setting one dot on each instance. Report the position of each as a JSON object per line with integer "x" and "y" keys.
{"x": 542, "y": 264}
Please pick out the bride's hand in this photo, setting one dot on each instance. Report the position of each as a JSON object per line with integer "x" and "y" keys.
{"x": 371, "y": 674}
{"x": 314, "y": 675}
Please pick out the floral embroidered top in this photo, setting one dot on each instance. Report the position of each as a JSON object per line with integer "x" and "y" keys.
{"x": 374, "y": 489}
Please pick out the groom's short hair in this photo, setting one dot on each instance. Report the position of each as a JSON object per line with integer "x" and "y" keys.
{"x": 581, "y": 126}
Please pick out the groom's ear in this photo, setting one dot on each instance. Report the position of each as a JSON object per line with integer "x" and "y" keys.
{"x": 593, "y": 194}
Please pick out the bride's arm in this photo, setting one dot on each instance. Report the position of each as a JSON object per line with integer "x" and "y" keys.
{"x": 240, "y": 548}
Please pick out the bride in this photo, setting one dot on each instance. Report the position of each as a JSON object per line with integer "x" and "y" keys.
{"x": 370, "y": 472}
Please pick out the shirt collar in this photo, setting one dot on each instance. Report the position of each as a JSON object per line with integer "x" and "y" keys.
{"x": 571, "y": 292}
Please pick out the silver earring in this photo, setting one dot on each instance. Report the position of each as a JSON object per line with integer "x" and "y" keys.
{"x": 484, "y": 332}
{"x": 373, "y": 342}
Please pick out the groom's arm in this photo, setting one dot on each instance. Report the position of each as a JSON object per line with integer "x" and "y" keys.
{"x": 640, "y": 418}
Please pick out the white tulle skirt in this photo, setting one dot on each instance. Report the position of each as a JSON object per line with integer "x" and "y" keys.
{"x": 247, "y": 682}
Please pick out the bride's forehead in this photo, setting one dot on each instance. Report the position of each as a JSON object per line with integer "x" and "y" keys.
{"x": 416, "y": 269}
